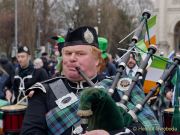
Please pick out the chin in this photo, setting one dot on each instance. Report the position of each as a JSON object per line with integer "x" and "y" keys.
{"x": 73, "y": 77}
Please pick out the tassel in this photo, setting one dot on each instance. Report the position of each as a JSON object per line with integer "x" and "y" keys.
{"x": 84, "y": 113}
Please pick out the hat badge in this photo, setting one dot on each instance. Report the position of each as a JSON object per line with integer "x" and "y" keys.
{"x": 25, "y": 48}
{"x": 88, "y": 36}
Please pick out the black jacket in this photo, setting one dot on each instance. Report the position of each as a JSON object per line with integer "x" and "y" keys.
{"x": 8, "y": 67}
{"x": 38, "y": 75}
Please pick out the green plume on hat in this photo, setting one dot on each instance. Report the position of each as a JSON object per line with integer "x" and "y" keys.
{"x": 59, "y": 39}
{"x": 103, "y": 44}
{"x": 102, "y": 111}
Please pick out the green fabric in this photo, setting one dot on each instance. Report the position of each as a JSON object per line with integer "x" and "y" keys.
{"x": 176, "y": 115}
{"x": 159, "y": 63}
{"x": 140, "y": 44}
{"x": 174, "y": 79}
{"x": 59, "y": 39}
{"x": 59, "y": 64}
{"x": 146, "y": 116}
{"x": 106, "y": 114}
{"x": 103, "y": 44}
{"x": 3, "y": 103}
{"x": 1, "y": 115}
{"x": 151, "y": 22}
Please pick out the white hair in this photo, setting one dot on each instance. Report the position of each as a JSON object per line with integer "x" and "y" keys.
{"x": 38, "y": 63}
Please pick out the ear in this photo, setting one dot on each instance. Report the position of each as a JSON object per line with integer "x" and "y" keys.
{"x": 97, "y": 63}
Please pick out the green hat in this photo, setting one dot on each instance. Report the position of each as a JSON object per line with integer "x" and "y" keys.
{"x": 103, "y": 44}
{"x": 59, "y": 39}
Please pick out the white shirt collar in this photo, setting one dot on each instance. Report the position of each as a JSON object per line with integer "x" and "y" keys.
{"x": 134, "y": 70}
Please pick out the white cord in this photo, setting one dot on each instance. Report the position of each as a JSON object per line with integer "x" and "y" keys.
{"x": 127, "y": 131}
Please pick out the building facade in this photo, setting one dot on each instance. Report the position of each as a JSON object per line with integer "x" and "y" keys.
{"x": 168, "y": 25}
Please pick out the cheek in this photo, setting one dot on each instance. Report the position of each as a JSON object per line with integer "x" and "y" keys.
{"x": 64, "y": 65}
{"x": 133, "y": 62}
{"x": 65, "y": 59}
{"x": 25, "y": 60}
{"x": 89, "y": 63}
{"x": 64, "y": 62}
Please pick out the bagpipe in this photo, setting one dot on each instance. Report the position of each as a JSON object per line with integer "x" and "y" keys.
{"x": 99, "y": 111}
{"x": 97, "y": 108}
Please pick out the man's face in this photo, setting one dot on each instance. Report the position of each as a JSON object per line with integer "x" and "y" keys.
{"x": 132, "y": 62}
{"x": 23, "y": 59}
{"x": 79, "y": 56}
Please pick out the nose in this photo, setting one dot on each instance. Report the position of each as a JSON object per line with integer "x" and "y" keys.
{"x": 19, "y": 59}
{"x": 73, "y": 57}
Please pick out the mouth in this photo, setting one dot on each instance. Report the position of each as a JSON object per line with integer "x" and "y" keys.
{"x": 72, "y": 69}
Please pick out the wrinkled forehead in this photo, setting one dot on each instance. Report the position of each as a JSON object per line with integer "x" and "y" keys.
{"x": 82, "y": 48}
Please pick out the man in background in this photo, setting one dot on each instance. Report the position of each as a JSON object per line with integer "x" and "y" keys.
{"x": 24, "y": 69}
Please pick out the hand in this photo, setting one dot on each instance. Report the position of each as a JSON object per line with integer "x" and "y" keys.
{"x": 169, "y": 95}
{"x": 8, "y": 95}
{"x": 31, "y": 93}
{"x": 97, "y": 132}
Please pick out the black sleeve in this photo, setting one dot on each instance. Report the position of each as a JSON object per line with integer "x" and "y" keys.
{"x": 8, "y": 84}
{"x": 10, "y": 80}
{"x": 112, "y": 69}
{"x": 44, "y": 75}
{"x": 41, "y": 75}
{"x": 34, "y": 122}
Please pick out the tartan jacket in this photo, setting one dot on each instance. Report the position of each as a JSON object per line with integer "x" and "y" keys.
{"x": 146, "y": 116}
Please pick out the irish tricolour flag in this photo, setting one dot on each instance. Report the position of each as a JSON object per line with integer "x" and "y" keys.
{"x": 150, "y": 34}
{"x": 154, "y": 72}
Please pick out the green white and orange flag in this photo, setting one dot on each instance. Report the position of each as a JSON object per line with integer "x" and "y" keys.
{"x": 151, "y": 32}
{"x": 155, "y": 67}
{"x": 154, "y": 72}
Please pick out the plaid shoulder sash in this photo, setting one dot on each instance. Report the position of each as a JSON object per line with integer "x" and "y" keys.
{"x": 60, "y": 120}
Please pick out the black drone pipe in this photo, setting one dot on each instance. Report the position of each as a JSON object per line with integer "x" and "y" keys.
{"x": 85, "y": 77}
